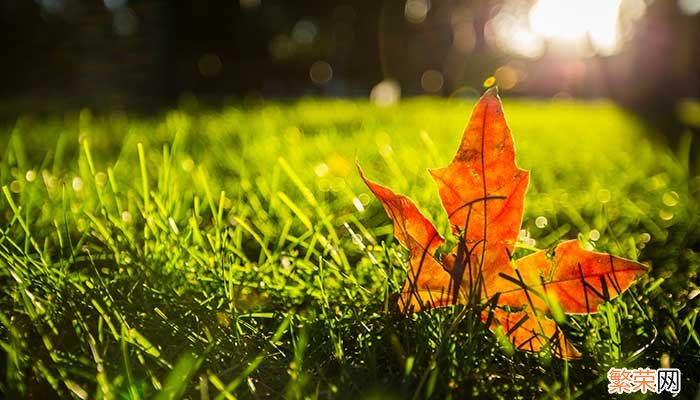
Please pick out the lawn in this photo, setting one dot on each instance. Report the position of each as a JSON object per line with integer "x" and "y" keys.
{"x": 234, "y": 252}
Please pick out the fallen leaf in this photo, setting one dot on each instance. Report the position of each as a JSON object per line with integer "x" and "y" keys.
{"x": 483, "y": 192}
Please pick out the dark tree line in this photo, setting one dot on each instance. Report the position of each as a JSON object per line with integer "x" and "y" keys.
{"x": 145, "y": 54}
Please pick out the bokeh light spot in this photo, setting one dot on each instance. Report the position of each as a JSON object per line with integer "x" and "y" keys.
{"x": 364, "y": 198}
{"x": 304, "y": 32}
{"x": 666, "y": 215}
{"x": 321, "y": 72}
{"x": 465, "y": 92}
{"x": 281, "y": 47}
{"x": 431, "y": 81}
{"x": 541, "y": 221}
{"x": 15, "y": 186}
{"x": 209, "y": 65}
{"x": 645, "y": 237}
{"x": 603, "y": 195}
{"x": 101, "y": 178}
{"x": 187, "y": 164}
{"x": 77, "y": 184}
{"x": 385, "y": 93}
{"x": 321, "y": 169}
{"x": 506, "y": 77}
{"x": 670, "y": 199}
{"x": 416, "y": 10}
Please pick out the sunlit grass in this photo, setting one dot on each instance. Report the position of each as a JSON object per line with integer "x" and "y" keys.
{"x": 236, "y": 253}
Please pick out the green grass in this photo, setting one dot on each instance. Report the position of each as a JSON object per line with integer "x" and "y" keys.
{"x": 235, "y": 253}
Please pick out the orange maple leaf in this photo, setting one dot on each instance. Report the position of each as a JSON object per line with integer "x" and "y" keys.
{"x": 483, "y": 191}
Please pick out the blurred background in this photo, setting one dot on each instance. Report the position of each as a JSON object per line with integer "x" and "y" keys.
{"x": 149, "y": 54}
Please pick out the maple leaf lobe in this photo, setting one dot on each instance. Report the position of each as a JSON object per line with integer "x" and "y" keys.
{"x": 580, "y": 280}
{"x": 483, "y": 190}
{"x": 428, "y": 283}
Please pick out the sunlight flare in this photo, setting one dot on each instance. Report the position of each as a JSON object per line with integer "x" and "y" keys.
{"x": 578, "y": 21}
